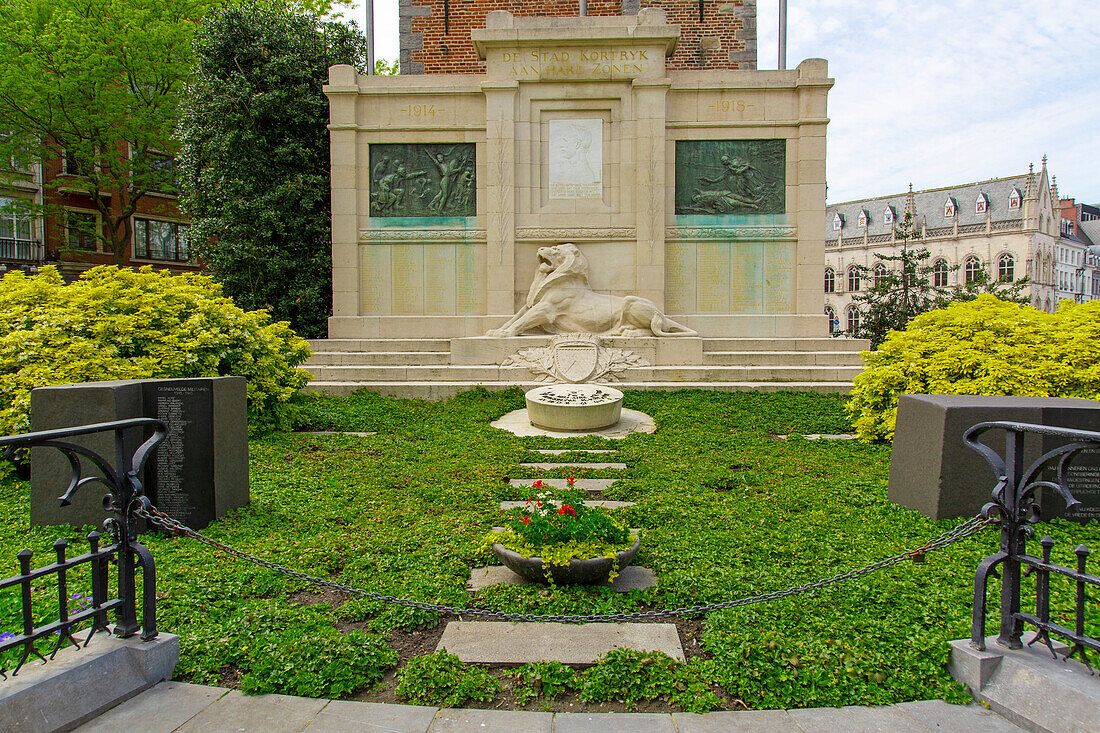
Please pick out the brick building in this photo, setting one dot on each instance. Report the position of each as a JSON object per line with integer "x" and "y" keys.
{"x": 47, "y": 217}
{"x": 714, "y": 34}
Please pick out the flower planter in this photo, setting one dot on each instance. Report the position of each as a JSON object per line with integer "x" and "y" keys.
{"x": 577, "y": 572}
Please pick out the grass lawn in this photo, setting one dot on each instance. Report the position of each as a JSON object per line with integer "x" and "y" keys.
{"x": 726, "y": 509}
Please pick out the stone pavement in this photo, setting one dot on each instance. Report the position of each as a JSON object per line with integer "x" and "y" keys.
{"x": 175, "y": 706}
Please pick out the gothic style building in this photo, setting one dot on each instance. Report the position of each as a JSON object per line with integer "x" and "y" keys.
{"x": 1006, "y": 227}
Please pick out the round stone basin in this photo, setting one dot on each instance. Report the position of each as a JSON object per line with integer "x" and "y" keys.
{"x": 574, "y": 406}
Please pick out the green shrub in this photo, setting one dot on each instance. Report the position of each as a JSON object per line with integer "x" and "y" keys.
{"x": 317, "y": 662}
{"x": 631, "y": 676}
{"x": 543, "y": 679}
{"x": 981, "y": 347}
{"x": 115, "y": 323}
{"x": 440, "y": 678}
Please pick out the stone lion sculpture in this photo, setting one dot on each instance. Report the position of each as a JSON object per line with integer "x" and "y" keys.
{"x": 560, "y": 301}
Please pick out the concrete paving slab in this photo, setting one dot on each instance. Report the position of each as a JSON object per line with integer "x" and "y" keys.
{"x": 632, "y": 577}
{"x": 518, "y": 422}
{"x": 552, "y": 466}
{"x": 939, "y": 715}
{"x": 823, "y": 436}
{"x": 506, "y": 505}
{"x": 613, "y": 723}
{"x": 559, "y": 451}
{"x": 507, "y": 643}
{"x": 582, "y": 484}
{"x": 236, "y": 711}
{"x": 888, "y": 719}
{"x": 335, "y": 432}
{"x": 741, "y": 721}
{"x": 340, "y": 716}
{"x": 160, "y": 709}
{"x": 492, "y": 721}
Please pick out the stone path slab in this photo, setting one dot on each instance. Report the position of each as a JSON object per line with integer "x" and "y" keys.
{"x": 270, "y": 713}
{"x": 741, "y": 721}
{"x": 335, "y": 432}
{"x": 559, "y": 451}
{"x": 507, "y": 643}
{"x": 552, "y": 466}
{"x": 889, "y": 719}
{"x": 518, "y": 422}
{"x": 939, "y": 715}
{"x": 340, "y": 716}
{"x": 492, "y": 721}
{"x": 161, "y": 709}
{"x": 632, "y": 577}
{"x": 613, "y": 723}
{"x": 600, "y": 503}
{"x": 583, "y": 484}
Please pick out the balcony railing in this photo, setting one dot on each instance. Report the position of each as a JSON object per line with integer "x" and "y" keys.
{"x": 21, "y": 250}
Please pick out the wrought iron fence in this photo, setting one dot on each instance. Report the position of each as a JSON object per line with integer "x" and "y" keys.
{"x": 126, "y": 498}
{"x": 1014, "y": 509}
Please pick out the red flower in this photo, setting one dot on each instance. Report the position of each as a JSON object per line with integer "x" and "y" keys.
{"x": 566, "y": 509}
{"x": 526, "y": 520}
{"x": 537, "y": 484}
{"x": 571, "y": 481}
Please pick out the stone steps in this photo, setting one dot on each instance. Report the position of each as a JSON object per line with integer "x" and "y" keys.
{"x": 505, "y": 643}
{"x": 782, "y": 358}
{"x": 506, "y": 505}
{"x": 573, "y": 464}
{"x": 377, "y": 358}
{"x": 788, "y": 344}
{"x": 560, "y": 451}
{"x": 371, "y": 345}
{"x": 441, "y": 389}
{"x": 685, "y": 376}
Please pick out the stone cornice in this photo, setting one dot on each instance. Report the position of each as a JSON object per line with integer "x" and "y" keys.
{"x": 737, "y": 233}
{"x": 391, "y": 235}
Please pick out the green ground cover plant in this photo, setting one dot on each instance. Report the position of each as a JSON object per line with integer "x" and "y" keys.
{"x": 727, "y": 510}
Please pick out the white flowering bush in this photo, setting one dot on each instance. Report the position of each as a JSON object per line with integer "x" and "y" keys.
{"x": 115, "y": 323}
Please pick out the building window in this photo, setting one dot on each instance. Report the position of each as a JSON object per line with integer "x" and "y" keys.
{"x": 981, "y": 204}
{"x": 939, "y": 274}
{"x": 830, "y": 280}
{"x": 80, "y": 230}
{"x": 1014, "y": 199}
{"x": 15, "y": 219}
{"x": 853, "y": 319}
{"x": 853, "y": 279}
{"x": 949, "y": 209}
{"x": 73, "y": 165}
{"x": 973, "y": 269}
{"x": 888, "y": 215}
{"x": 1005, "y": 267}
{"x": 880, "y": 275}
{"x": 834, "y": 322}
{"x": 838, "y": 222}
{"x": 162, "y": 173}
{"x": 160, "y": 240}
{"x": 863, "y": 218}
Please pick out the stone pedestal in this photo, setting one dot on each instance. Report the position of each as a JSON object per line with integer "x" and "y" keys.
{"x": 935, "y": 473}
{"x": 197, "y": 474}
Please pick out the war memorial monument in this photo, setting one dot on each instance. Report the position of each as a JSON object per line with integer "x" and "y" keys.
{"x": 579, "y": 185}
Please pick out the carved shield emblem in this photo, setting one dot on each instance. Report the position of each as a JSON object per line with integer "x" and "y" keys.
{"x": 576, "y": 361}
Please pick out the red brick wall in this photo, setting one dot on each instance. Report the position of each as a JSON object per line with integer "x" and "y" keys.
{"x": 706, "y": 45}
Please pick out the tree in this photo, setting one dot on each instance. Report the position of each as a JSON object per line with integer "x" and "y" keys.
{"x": 96, "y": 82}
{"x": 900, "y": 293}
{"x": 254, "y": 164}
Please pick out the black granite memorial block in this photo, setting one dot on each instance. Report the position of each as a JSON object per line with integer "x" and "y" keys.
{"x": 198, "y": 474}
{"x": 66, "y": 406}
{"x": 935, "y": 473}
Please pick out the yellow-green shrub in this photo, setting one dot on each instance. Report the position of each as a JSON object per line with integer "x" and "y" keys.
{"x": 115, "y": 323}
{"x": 980, "y": 347}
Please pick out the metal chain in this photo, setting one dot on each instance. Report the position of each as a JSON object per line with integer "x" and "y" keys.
{"x": 961, "y": 532}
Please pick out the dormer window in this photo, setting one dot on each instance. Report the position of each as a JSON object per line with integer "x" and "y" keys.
{"x": 838, "y": 222}
{"x": 863, "y": 218}
{"x": 888, "y": 215}
{"x": 981, "y": 204}
{"x": 950, "y": 208}
{"x": 1014, "y": 199}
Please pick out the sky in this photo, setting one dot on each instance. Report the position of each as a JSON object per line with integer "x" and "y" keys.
{"x": 934, "y": 92}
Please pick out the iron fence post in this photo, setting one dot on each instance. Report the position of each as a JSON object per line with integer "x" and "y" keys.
{"x": 1013, "y": 539}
